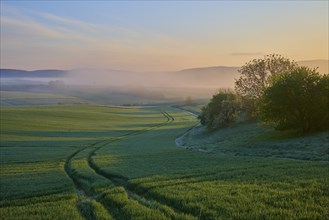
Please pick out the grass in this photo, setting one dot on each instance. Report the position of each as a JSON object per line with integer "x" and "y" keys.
{"x": 246, "y": 188}
{"x": 35, "y": 145}
{"x": 103, "y": 162}
{"x": 48, "y": 207}
{"x": 14, "y": 98}
{"x": 255, "y": 140}
{"x": 249, "y": 185}
{"x": 76, "y": 122}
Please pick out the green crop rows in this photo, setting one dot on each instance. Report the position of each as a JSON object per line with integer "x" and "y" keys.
{"x": 103, "y": 162}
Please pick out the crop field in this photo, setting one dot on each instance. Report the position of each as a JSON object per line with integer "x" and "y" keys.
{"x": 106, "y": 162}
{"x": 14, "y": 98}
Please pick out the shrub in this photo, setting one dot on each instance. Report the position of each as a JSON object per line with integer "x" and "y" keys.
{"x": 221, "y": 111}
{"x": 297, "y": 100}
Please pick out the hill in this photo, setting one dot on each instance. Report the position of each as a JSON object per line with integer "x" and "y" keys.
{"x": 216, "y": 76}
{"x": 15, "y": 73}
{"x": 200, "y": 77}
{"x": 201, "y": 82}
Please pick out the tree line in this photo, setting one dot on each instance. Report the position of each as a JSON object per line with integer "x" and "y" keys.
{"x": 274, "y": 90}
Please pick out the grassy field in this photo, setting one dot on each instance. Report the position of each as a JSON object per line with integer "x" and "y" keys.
{"x": 217, "y": 186}
{"x": 14, "y": 98}
{"x": 103, "y": 162}
{"x": 258, "y": 141}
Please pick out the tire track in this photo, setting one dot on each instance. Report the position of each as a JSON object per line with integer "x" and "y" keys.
{"x": 84, "y": 201}
{"x": 78, "y": 189}
{"x": 168, "y": 116}
{"x": 121, "y": 181}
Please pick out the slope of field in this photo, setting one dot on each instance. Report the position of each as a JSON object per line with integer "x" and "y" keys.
{"x": 216, "y": 186}
{"x": 14, "y": 98}
{"x": 102, "y": 162}
{"x": 252, "y": 139}
{"x": 37, "y": 147}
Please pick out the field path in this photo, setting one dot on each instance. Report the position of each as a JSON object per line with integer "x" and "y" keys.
{"x": 88, "y": 195}
{"x": 69, "y": 172}
{"x": 121, "y": 181}
{"x": 84, "y": 200}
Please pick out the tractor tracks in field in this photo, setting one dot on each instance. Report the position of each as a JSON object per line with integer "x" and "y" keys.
{"x": 70, "y": 173}
{"x": 121, "y": 181}
{"x": 83, "y": 199}
{"x": 118, "y": 180}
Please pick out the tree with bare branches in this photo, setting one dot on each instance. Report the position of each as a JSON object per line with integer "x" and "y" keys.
{"x": 255, "y": 78}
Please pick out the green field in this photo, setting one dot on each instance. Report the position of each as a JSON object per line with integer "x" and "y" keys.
{"x": 105, "y": 162}
{"x": 14, "y": 98}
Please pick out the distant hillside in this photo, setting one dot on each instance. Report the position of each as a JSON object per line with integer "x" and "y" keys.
{"x": 213, "y": 69}
{"x": 322, "y": 64}
{"x": 15, "y": 73}
{"x": 217, "y": 76}
{"x": 224, "y": 77}
{"x": 203, "y": 77}
{"x": 122, "y": 87}
{"x": 208, "y": 77}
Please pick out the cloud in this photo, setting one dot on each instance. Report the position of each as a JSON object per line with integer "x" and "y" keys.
{"x": 46, "y": 25}
{"x": 70, "y": 22}
{"x": 54, "y": 38}
{"x": 33, "y": 25}
{"x": 28, "y": 28}
{"x": 247, "y": 54}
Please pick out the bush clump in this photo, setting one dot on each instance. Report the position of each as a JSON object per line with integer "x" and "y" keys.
{"x": 297, "y": 100}
{"x": 222, "y": 110}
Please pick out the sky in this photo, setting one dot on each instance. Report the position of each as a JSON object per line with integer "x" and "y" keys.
{"x": 159, "y": 36}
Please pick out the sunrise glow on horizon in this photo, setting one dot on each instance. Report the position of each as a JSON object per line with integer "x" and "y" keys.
{"x": 158, "y": 36}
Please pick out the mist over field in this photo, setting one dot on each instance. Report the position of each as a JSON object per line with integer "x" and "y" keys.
{"x": 152, "y": 86}
{"x": 128, "y": 87}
